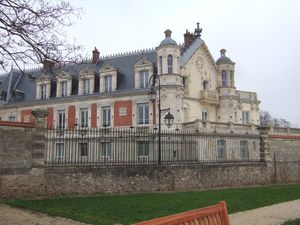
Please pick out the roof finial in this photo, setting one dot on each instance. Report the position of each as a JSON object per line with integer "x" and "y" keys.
{"x": 198, "y": 30}
{"x": 168, "y": 33}
{"x": 223, "y": 51}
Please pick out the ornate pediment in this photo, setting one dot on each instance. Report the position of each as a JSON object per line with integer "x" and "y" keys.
{"x": 107, "y": 68}
{"x": 63, "y": 75}
{"x": 143, "y": 61}
{"x": 85, "y": 72}
{"x": 43, "y": 77}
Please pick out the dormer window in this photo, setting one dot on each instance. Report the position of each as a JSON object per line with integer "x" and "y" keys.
{"x": 144, "y": 79}
{"x": 170, "y": 64}
{"x": 64, "y": 89}
{"x": 43, "y": 91}
{"x": 143, "y": 69}
{"x": 108, "y": 83}
{"x": 86, "y": 86}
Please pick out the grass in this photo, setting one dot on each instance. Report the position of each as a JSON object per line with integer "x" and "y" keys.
{"x": 292, "y": 222}
{"x": 127, "y": 209}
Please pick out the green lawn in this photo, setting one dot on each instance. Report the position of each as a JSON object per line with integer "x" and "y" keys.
{"x": 293, "y": 222}
{"x": 126, "y": 209}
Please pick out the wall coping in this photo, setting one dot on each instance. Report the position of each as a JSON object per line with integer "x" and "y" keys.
{"x": 16, "y": 124}
{"x": 283, "y": 136}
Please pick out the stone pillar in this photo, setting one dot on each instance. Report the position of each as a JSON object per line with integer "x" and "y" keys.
{"x": 264, "y": 143}
{"x": 39, "y": 140}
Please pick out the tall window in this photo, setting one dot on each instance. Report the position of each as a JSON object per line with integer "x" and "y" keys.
{"x": 106, "y": 115}
{"x": 170, "y": 64}
{"x": 61, "y": 114}
{"x": 144, "y": 78}
{"x": 108, "y": 83}
{"x": 12, "y": 118}
{"x": 84, "y": 117}
{"x": 204, "y": 115}
{"x": 105, "y": 150}
{"x": 43, "y": 91}
{"x": 64, "y": 88}
{"x": 244, "y": 150}
{"x": 143, "y": 113}
{"x": 60, "y": 150}
{"x": 221, "y": 148}
{"x": 205, "y": 85}
{"x": 143, "y": 149}
{"x": 86, "y": 86}
{"x": 231, "y": 78}
{"x": 245, "y": 117}
{"x": 83, "y": 148}
{"x": 224, "y": 78}
{"x": 160, "y": 65}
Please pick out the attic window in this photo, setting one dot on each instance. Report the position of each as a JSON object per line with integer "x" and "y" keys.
{"x": 43, "y": 91}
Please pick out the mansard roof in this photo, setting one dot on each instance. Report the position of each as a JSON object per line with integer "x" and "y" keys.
{"x": 124, "y": 64}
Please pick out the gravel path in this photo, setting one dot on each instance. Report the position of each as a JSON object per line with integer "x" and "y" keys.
{"x": 269, "y": 215}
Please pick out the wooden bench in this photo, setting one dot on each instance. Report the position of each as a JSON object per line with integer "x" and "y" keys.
{"x": 211, "y": 215}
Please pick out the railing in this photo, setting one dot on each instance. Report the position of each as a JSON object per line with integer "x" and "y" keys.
{"x": 209, "y": 96}
{"x": 116, "y": 146}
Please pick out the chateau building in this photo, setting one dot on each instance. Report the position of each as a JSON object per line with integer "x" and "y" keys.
{"x": 112, "y": 90}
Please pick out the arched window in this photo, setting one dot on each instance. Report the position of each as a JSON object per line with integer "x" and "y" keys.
{"x": 160, "y": 64}
{"x": 224, "y": 78}
{"x": 205, "y": 85}
{"x": 170, "y": 64}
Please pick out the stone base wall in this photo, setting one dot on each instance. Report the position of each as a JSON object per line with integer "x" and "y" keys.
{"x": 79, "y": 181}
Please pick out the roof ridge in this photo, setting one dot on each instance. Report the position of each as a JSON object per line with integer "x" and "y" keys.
{"x": 127, "y": 53}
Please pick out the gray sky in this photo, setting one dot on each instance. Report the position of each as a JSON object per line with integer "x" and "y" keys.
{"x": 261, "y": 36}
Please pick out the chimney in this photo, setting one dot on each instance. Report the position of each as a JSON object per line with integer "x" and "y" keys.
{"x": 188, "y": 38}
{"x": 96, "y": 54}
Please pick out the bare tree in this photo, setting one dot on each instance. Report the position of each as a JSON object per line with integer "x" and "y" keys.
{"x": 30, "y": 32}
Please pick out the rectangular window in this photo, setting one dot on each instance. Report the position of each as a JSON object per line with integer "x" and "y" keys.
{"x": 204, "y": 115}
{"x": 84, "y": 117}
{"x": 143, "y": 113}
{"x": 64, "y": 88}
{"x": 143, "y": 149}
{"x": 106, "y": 150}
{"x": 43, "y": 91}
{"x": 244, "y": 150}
{"x": 108, "y": 83}
{"x": 86, "y": 86}
{"x": 144, "y": 79}
{"x": 221, "y": 148}
{"x": 61, "y": 120}
{"x": 60, "y": 150}
{"x": 245, "y": 117}
{"x": 12, "y": 118}
{"x": 83, "y": 148}
{"x": 170, "y": 64}
{"x": 106, "y": 115}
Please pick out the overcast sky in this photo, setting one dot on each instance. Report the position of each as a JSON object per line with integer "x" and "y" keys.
{"x": 261, "y": 36}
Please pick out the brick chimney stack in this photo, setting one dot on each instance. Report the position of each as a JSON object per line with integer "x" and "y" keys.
{"x": 188, "y": 38}
{"x": 96, "y": 54}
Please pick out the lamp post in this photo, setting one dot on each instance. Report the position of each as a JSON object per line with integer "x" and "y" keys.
{"x": 169, "y": 118}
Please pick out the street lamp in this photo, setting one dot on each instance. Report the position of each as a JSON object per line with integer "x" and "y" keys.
{"x": 169, "y": 118}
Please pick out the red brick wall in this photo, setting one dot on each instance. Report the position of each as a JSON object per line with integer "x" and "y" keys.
{"x": 123, "y": 120}
{"x": 94, "y": 115}
{"x": 25, "y": 113}
{"x": 71, "y": 116}
{"x": 50, "y": 117}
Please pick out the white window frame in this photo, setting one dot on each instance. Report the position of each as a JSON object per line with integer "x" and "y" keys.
{"x": 61, "y": 119}
{"x": 245, "y": 117}
{"x": 83, "y": 152}
{"x": 106, "y": 150}
{"x": 106, "y": 116}
{"x": 143, "y": 149}
{"x": 108, "y": 83}
{"x": 244, "y": 150}
{"x": 221, "y": 149}
{"x": 144, "y": 107}
{"x": 12, "y": 118}
{"x": 84, "y": 117}
{"x": 144, "y": 80}
{"x": 43, "y": 91}
{"x": 64, "y": 88}
{"x": 85, "y": 86}
{"x": 204, "y": 115}
{"x": 60, "y": 150}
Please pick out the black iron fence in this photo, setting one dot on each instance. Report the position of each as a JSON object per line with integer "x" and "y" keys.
{"x": 139, "y": 146}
